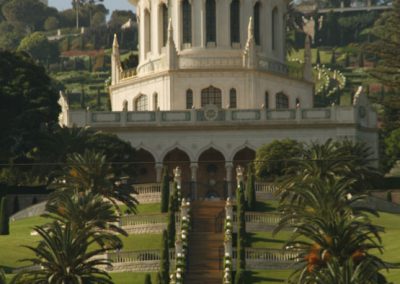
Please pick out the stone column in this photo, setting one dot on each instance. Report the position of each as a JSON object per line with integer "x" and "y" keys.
{"x": 193, "y": 170}
{"x": 229, "y": 168}
{"x": 159, "y": 169}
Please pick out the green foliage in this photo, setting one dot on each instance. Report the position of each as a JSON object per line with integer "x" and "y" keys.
{"x": 29, "y": 13}
{"x": 65, "y": 257}
{"x": 172, "y": 209}
{"x": 250, "y": 189}
{"x": 38, "y": 46}
{"x": 240, "y": 277}
{"x": 241, "y": 234}
{"x": 90, "y": 172}
{"x": 333, "y": 57}
{"x": 147, "y": 279}
{"x": 389, "y": 197}
{"x": 4, "y": 219}
{"x": 392, "y": 147}
{"x": 51, "y": 23}
{"x": 318, "y": 60}
{"x": 165, "y": 191}
{"x": 164, "y": 265}
{"x": 271, "y": 159}
{"x": 27, "y": 102}
{"x": 385, "y": 47}
{"x": 16, "y": 204}
{"x": 56, "y": 143}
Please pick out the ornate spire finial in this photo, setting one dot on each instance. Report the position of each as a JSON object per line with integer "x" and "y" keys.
{"x": 115, "y": 43}
{"x": 170, "y": 29}
{"x": 251, "y": 28}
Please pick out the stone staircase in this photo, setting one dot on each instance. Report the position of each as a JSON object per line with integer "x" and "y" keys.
{"x": 206, "y": 243}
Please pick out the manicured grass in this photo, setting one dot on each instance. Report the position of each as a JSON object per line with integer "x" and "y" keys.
{"x": 11, "y": 246}
{"x": 131, "y": 278}
{"x": 142, "y": 242}
{"x": 270, "y": 276}
{"x": 267, "y": 240}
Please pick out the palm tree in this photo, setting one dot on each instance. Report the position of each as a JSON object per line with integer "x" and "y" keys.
{"x": 63, "y": 257}
{"x": 91, "y": 172}
{"x": 86, "y": 210}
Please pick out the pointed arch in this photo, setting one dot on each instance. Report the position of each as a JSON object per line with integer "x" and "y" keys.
{"x": 282, "y": 101}
{"x": 211, "y": 96}
{"x": 141, "y": 103}
{"x": 146, "y": 163}
{"x": 189, "y": 99}
{"x": 178, "y": 158}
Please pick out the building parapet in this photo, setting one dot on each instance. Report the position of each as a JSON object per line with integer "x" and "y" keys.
{"x": 210, "y": 116}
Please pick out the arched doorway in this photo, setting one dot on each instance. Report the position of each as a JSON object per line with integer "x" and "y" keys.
{"x": 211, "y": 175}
{"x": 146, "y": 172}
{"x": 242, "y": 158}
{"x": 178, "y": 158}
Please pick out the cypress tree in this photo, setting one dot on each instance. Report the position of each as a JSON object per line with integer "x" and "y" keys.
{"x": 164, "y": 265}
{"x": 333, "y": 58}
{"x": 4, "y": 220}
{"x": 241, "y": 234}
{"x": 250, "y": 189}
{"x": 361, "y": 60}
{"x": 240, "y": 277}
{"x": 171, "y": 217}
{"x": 347, "y": 60}
{"x": 165, "y": 191}
{"x": 16, "y": 204}
{"x": 147, "y": 279}
{"x": 318, "y": 57}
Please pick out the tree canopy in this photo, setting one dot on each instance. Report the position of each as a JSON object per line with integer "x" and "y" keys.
{"x": 28, "y": 101}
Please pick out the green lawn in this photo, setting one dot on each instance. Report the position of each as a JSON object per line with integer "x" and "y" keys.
{"x": 145, "y": 208}
{"x": 142, "y": 242}
{"x": 11, "y": 246}
{"x": 131, "y": 278}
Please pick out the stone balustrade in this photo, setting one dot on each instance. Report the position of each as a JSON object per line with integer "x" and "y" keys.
{"x": 137, "y": 261}
{"x": 148, "y": 193}
{"x": 258, "y": 222}
{"x": 331, "y": 115}
{"x": 144, "y": 224}
{"x": 263, "y": 258}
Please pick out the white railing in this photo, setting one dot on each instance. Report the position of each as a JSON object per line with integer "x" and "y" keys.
{"x": 148, "y": 192}
{"x": 263, "y": 187}
{"x": 263, "y": 258}
{"x": 268, "y": 219}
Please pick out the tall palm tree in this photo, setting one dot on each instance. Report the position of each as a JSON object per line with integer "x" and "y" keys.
{"x": 64, "y": 258}
{"x": 91, "y": 172}
{"x": 88, "y": 211}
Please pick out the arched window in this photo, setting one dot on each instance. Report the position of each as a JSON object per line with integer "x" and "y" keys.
{"x": 164, "y": 23}
{"x": 235, "y": 21}
{"x": 275, "y": 26}
{"x": 266, "y": 100}
{"x": 189, "y": 99}
{"x": 147, "y": 32}
{"x": 211, "y": 96}
{"x": 257, "y": 19}
{"x": 282, "y": 101}
{"x": 155, "y": 101}
{"x": 232, "y": 98}
{"x": 141, "y": 103}
{"x": 187, "y": 22}
{"x": 211, "y": 21}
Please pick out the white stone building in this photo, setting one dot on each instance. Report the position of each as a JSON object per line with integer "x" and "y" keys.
{"x": 211, "y": 87}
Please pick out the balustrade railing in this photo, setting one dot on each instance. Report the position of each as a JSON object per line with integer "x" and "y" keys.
{"x": 148, "y": 188}
{"x": 264, "y": 257}
{"x": 262, "y": 187}
{"x": 138, "y": 256}
{"x": 133, "y": 220}
{"x": 268, "y": 219}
